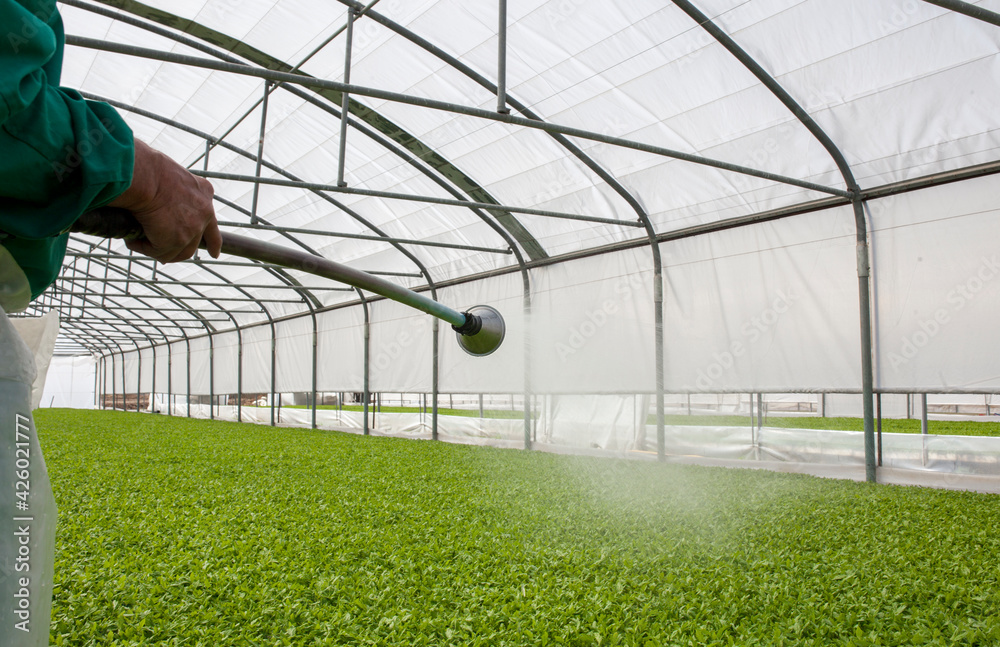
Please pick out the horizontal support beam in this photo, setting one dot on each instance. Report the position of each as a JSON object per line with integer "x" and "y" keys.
{"x": 199, "y": 284}
{"x": 383, "y": 239}
{"x": 171, "y": 297}
{"x": 450, "y": 202}
{"x": 191, "y": 261}
{"x": 166, "y": 323}
{"x": 307, "y": 81}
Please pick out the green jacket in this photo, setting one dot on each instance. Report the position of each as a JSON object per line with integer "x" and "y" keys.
{"x": 60, "y": 155}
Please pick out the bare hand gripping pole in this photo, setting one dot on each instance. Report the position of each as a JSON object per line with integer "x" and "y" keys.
{"x": 480, "y": 330}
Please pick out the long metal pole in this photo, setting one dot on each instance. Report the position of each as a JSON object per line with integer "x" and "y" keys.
{"x": 351, "y": 236}
{"x": 434, "y": 379}
{"x": 124, "y": 384}
{"x": 188, "y": 344}
{"x": 365, "y": 390}
{"x": 211, "y": 376}
{"x": 97, "y": 374}
{"x": 315, "y": 362}
{"x": 115, "y": 222}
{"x": 170, "y": 380}
{"x": 138, "y": 376}
{"x": 345, "y": 98}
{"x": 239, "y": 374}
{"x": 409, "y": 197}
{"x": 969, "y": 9}
{"x": 865, "y": 308}
{"x": 924, "y": 430}
{"x": 274, "y": 358}
{"x": 502, "y": 60}
{"x": 878, "y": 428}
{"x": 260, "y": 153}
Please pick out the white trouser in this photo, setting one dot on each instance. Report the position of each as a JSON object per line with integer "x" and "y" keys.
{"x": 27, "y": 508}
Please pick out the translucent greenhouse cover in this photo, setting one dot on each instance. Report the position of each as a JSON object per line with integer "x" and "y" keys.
{"x": 759, "y": 274}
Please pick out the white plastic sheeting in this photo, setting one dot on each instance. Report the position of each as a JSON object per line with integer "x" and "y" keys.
{"x": 40, "y": 334}
{"x": 905, "y": 91}
{"x": 770, "y": 307}
{"x": 70, "y": 382}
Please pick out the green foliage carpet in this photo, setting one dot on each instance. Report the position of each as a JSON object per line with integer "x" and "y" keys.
{"x": 182, "y": 532}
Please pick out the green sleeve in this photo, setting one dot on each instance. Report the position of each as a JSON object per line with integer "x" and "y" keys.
{"x": 60, "y": 155}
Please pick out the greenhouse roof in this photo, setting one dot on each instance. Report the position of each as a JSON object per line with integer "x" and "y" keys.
{"x": 617, "y": 125}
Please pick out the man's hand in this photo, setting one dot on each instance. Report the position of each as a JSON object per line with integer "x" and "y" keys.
{"x": 173, "y": 206}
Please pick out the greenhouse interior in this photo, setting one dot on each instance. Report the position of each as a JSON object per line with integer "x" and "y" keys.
{"x": 689, "y": 234}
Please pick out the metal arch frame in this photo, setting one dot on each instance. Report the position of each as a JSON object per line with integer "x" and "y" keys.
{"x": 969, "y": 9}
{"x": 350, "y": 212}
{"x": 503, "y": 98}
{"x": 237, "y": 328}
{"x": 562, "y": 130}
{"x": 857, "y": 202}
{"x": 161, "y": 18}
{"x": 179, "y": 299}
{"x": 646, "y": 223}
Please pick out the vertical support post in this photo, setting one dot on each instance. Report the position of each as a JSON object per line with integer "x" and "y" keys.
{"x": 661, "y": 434}
{"x": 188, "y": 343}
{"x": 924, "y": 431}
{"x": 152, "y": 386}
{"x": 878, "y": 429}
{"x": 434, "y": 379}
{"x": 239, "y": 374}
{"x": 114, "y": 389}
{"x": 124, "y": 384}
{"x": 97, "y": 393}
{"x": 260, "y": 153}
{"x": 170, "y": 381}
{"x": 211, "y": 377}
{"x": 345, "y": 97}
{"x": 481, "y": 406}
{"x": 274, "y": 357}
{"x": 502, "y": 60}
{"x": 760, "y": 411}
{"x": 315, "y": 341}
{"x": 138, "y": 377}
{"x": 528, "y": 336}
{"x": 867, "y": 370}
{"x": 367, "y": 369}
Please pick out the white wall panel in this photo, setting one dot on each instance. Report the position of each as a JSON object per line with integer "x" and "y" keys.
{"x": 937, "y": 284}
{"x": 257, "y": 359}
{"x": 592, "y": 325}
{"x": 200, "y": 367}
{"x": 226, "y": 354}
{"x": 770, "y": 307}
{"x": 293, "y": 364}
{"x": 401, "y": 348}
{"x": 341, "y": 350}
